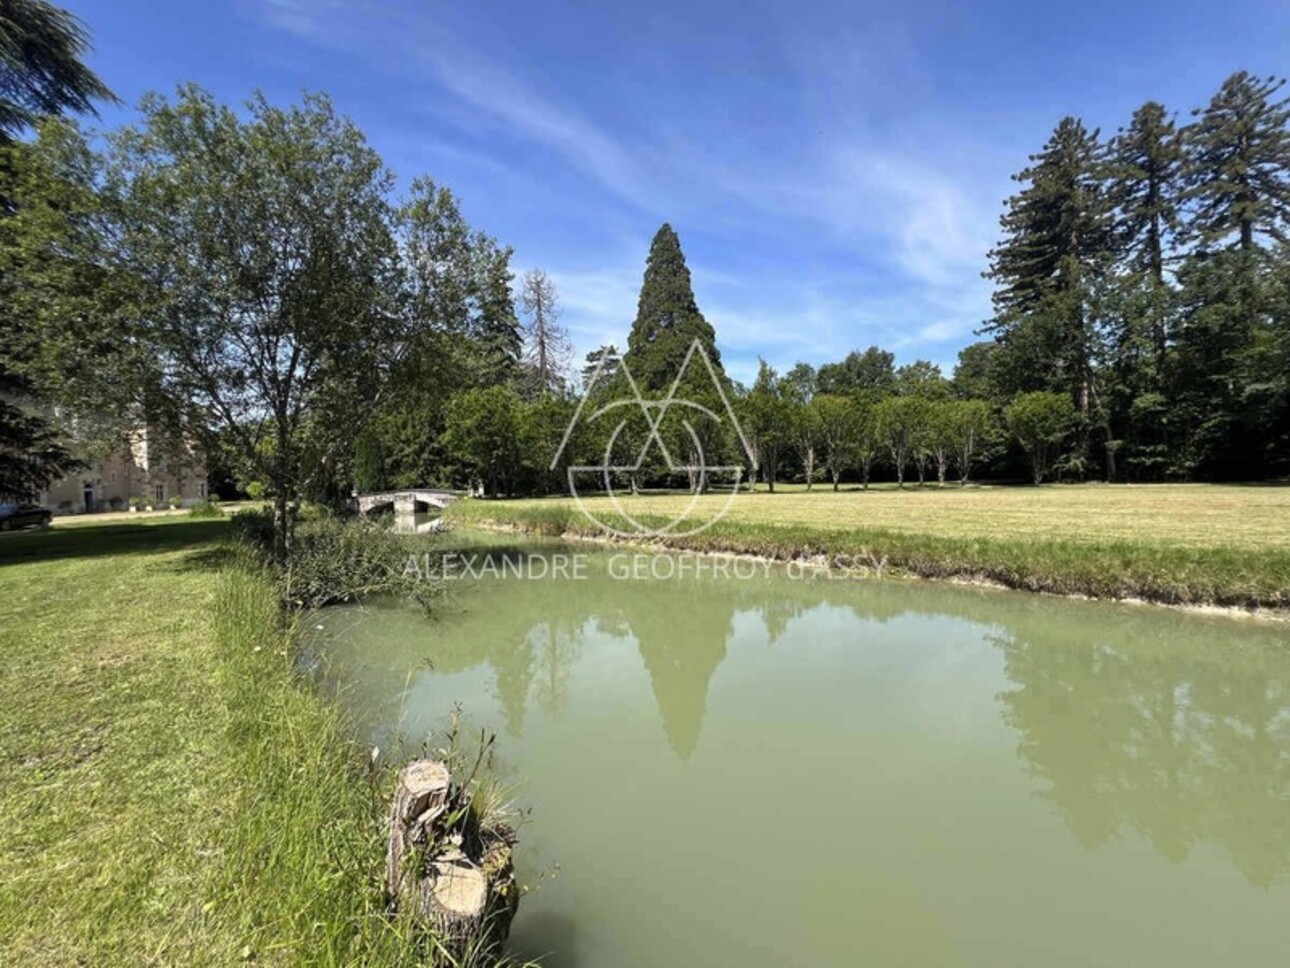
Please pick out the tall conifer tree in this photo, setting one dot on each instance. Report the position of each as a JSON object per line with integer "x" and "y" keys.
{"x": 1056, "y": 248}
{"x": 668, "y": 320}
{"x": 1238, "y": 168}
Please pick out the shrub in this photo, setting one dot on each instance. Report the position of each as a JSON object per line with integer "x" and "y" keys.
{"x": 256, "y": 526}
{"x": 334, "y": 560}
{"x": 206, "y": 509}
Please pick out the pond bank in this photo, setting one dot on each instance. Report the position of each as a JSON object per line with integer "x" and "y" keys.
{"x": 1236, "y": 580}
{"x": 173, "y": 792}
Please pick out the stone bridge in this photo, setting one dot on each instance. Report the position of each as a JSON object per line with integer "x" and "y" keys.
{"x": 408, "y": 501}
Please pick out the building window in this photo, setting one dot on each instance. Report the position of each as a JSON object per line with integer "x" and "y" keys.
{"x": 159, "y": 491}
{"x": 201, "y": 490}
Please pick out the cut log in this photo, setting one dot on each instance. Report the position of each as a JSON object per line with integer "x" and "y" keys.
{"x": 465, "y": 902}
{"x": 420, "y": 797}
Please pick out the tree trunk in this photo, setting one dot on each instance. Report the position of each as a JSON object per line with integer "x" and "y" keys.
{"x": 810, "y": 468}
{"x": 464, "y": 902}
{"x": 283, "y": 526}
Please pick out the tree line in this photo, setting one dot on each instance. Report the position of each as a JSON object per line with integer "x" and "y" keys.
{"x": 1145, "y": 277}
{"x": 252, "y": 278}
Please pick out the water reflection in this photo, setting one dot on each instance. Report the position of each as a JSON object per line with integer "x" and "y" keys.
{"x": 1171, "y": 725}
{"x": 1183, "y": 736}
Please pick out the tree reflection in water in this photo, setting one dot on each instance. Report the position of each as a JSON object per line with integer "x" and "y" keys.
{"x": 1173, "y": 725}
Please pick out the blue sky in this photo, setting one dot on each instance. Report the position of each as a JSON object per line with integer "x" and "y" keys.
{"x": 835, "y": 170}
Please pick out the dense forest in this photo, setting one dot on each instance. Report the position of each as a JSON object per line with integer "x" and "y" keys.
{"x": 251, "y": 278}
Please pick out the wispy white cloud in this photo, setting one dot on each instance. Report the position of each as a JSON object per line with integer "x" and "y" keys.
{"x": 898, "y": 229}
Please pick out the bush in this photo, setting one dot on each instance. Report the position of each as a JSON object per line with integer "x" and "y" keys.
{"x": 256, "y": 526}
{"x": 206, "y": 509}
{"x": 333, "y": 560}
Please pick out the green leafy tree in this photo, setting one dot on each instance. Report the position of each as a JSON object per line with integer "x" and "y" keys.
{"x": 32, "y": 455}
{"x": 975, "y": 373}
{"x": 969, "y": 424}
{"x": 922, "y": 379}
{"x": 603, "y": 361}
{"x": 42, "y": 77}
{"x": 1144, "y": 169}
{"x": 264, "y": 244}
{"x": 768, "y": 422}
{"x": 544, "y": 423}
{"x": 874, "y": 369}
{"x": 902, "y": 427}
{"x": 457, "y": 281}
{"x": 1040, "y": 421}
{"x": 485, "y": 434}
{"x": 369, "y": 463}
{"x": 940, "y": 436}
{"x": 838, "y": 421}
{"x": 668, "y": 320}
{"x": 798, "y": 386}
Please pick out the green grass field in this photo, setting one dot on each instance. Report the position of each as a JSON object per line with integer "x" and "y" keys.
{"x": 169, "y": 793}
{"x": 1183, "y": 544}
{"x": 1186, "y": 515}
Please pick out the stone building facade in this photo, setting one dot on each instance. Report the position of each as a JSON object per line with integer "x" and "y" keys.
{"x": 149, "y": 467}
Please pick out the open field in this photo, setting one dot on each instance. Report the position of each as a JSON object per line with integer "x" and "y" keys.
{"x": 1186, "y": 515}
{"x": 1182, "y": 544}
{"x": 169, "y": 794}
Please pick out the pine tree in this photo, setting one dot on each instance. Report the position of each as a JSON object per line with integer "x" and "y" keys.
{"x": 668, "y": 320}
{"x": 1144, "y": 169}
{"x": 1238, "y": 187}
{"x": 1057, "y": 246}
{"x": 1144, "y": 164}
{"x": 1238, "y": 168}
{"x": 547, "y": 348}
{"x": 602, "y": 365}
{"x": 41, "y": 69}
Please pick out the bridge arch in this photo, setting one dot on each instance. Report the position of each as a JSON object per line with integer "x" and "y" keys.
{"x": 407, "y": 500}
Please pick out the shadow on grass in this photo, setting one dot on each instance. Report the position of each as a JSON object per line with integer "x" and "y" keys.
{"x": 91, "y": 541}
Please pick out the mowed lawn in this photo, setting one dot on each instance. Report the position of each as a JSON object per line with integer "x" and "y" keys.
{"x": 169, "y": 793}
{"x": 110, "y": 730}
{"x": 1180, "y": 515}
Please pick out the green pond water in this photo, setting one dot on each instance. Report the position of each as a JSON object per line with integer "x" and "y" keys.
{"x": 778, "y": 771}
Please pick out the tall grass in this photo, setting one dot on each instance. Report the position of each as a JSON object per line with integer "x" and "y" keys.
{"x": 303, "y": 860}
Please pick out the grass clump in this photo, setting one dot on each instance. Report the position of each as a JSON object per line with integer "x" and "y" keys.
{"x": 207, "y": 509}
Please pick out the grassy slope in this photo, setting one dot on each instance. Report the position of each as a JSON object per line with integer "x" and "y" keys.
{"x": 168, "y": 794}
{"x": 1193, "y": 544}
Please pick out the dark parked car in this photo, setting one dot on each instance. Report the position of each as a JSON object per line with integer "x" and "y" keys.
{"x": 14, "y": 516}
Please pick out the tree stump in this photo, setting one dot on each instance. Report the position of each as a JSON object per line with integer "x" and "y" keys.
{"x": 458, "y": 883}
